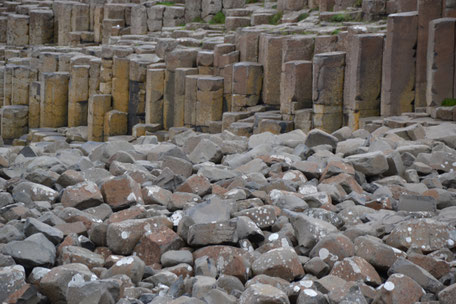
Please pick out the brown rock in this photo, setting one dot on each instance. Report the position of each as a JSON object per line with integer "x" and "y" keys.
{"x": 82, "y": 196}
{"x": 121, "y": 191}
{"x": 156, "y": 242}
{"x": 356, "y": 268}
{"x": 196, "y": 184}
{"x": 280, "y": 262}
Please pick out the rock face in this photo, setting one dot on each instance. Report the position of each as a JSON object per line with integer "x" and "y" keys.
{"x": 227, "y": 151}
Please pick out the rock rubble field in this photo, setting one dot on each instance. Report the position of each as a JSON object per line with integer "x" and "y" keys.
{"x": 365, "y": 216}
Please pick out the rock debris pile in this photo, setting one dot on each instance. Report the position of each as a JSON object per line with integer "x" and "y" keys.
{"x": 366, "y": 216}
{"x": 136, "y": 67}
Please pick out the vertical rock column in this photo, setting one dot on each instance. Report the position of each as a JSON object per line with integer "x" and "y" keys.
{"x": 363, "y": 76}
{"x": 18, "y": 30}
{"x": 98, "y": 15}
{"x": 62, "y": 11}
{"x": 428, "y": 10}
{"x": 34, "y": 105}
{"x": 41, "y": 27}
{"x": 179, "y": 94}
{"x": 209, "y": 104}
{"x": 106, "y": 75}
{"x": 78, "y": 95}
{"x": 399, "y": 61}
{"x": 8, "y": 84}
{"x": 155, "y": 17}
{"x": 14, "y": 122}
{"x": 2, "y": 85}
{"x": 138, "y": 20}
{"x": 270, "y": 56}
{"x": 178, "y": 58}
{"x": 22, "y": 75}
{"x": 327, "y": 90}
{"x": 137, "y": 88}
{"x": 295, "y": 86}
{"x": 155, "y": 87}
{"x": 99, "y": 105}
{"x": 440, "y": 61}
{"x": 248, "y": 43}
{"x": 120, "y": 80}
{"x": 191, "y": 90}
{"x": 54, "y": 99}
{"x": 94, "y": 76}
{"x": 247, "y": 79}
{"x": 3, "y": 28}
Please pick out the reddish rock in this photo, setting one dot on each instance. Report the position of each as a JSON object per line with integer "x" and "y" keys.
{"x": 280, "y": 262}
{"x": 356, "y": 268}
{"x": 196, "y": 184}
{"x": 376, "y": 252}
{"x": 121, "y": 192}
{"x": 122, "y": 237}
{"x": 134, "y": 212}
{"x": 426, "y": 234}
{"x": 77, "y": 227}
{"x": 230, "y": 260}
{"x": 399, "y": 289}
{"x": 156, "y": 195}
{"x": 263, "y": 216}
{"x": 156, "y": 242}
{"x": 332, "y": 248}
{"x": 82, "y": 196}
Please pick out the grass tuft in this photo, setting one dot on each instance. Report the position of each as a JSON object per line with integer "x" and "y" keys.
{"x": 302, "y": 16}
{"x": 219, "y": 18}
{"x": 275, "y": 19}
{"x": 335, "y": 32}
{"x": 449, "y": 102}
{"x": 167, "y": 3}
{"x": 340, "y": 18}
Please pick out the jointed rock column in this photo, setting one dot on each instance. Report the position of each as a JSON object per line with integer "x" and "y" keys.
{"x": 428, "y": 10}
{"x": 363, "y": 76}
{"x": 399, "y": 60}
{"x": 328, "y": 90}
{"x": 440, "y": 60}
{"x": 54, "y": 100}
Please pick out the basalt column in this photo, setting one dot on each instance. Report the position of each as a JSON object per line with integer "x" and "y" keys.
{"x": 78, "y": 95}
{"x": 209, "y": 104}
{"x": 54, "y": 99}
{"x": 428, "y": 10}
{"x": 399, "y": 62}
{"x": 99, "y": 105}
{"x": 295, "y": 86}
{"x": 247, "y": 80}
{"x": 328, "y": 88}
{"x": 155, "y": 87}
{"x": 440, "y": 61}
{"x": 363, "y": 76}
{"x": 270, "y": 56}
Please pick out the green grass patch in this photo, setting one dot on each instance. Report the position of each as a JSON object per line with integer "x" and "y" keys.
{"x": 167, "y": 3}
{"x": 199, "y": 20}
{"x": 335, "y": 32}
{"x": 340, "y": 18}
{"x": 359, "y": 3}
{"x": 274, "y": 6}
{"x": 251, "y": 1}
{"x": 219, "y": 18}
{"x": 275, "y": 19}
{"x": 449, "y": 102}
{"x": 302, "y": 16}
